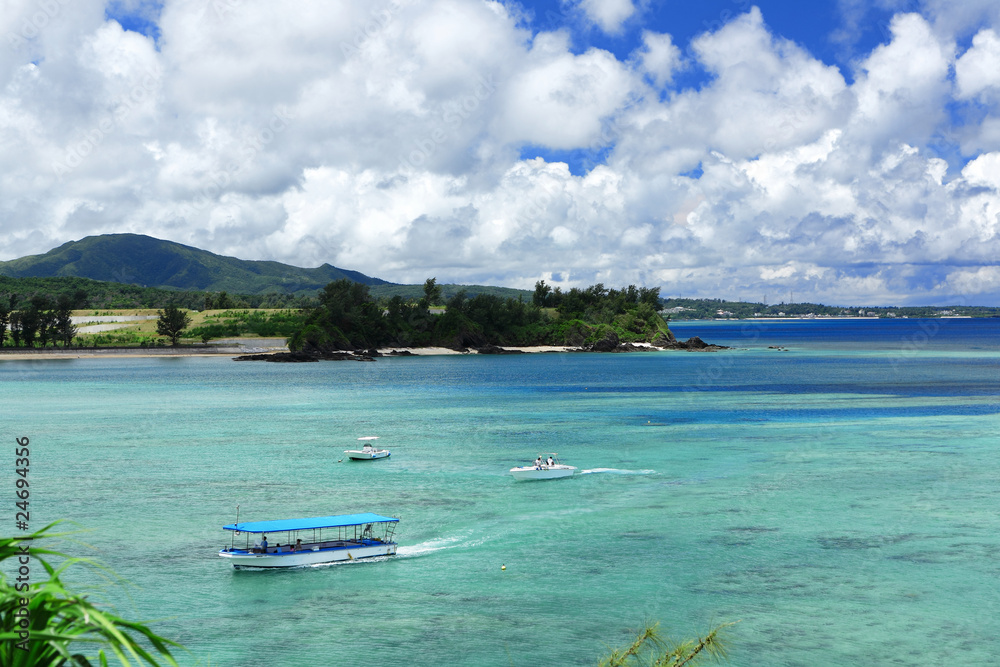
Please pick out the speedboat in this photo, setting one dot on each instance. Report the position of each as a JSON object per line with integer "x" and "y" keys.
{"x": 542, "y": 469}
{"x": 368, "y": 451}
{"x": 311, "y": 541}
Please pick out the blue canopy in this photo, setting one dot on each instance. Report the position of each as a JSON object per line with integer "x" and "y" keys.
{"x": 282, "y": 525}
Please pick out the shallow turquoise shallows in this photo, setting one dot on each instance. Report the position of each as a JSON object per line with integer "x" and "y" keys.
{"x": 838, "y": 497}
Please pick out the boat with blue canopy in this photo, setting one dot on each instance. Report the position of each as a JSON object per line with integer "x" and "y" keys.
{"x": 310, "y": 541}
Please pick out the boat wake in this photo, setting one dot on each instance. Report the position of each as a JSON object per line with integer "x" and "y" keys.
{"x": 617, "y": 471}
{"x": 428, "y": 547}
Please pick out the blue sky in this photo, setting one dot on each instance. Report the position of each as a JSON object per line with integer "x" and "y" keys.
{"x": 845, "y": 151}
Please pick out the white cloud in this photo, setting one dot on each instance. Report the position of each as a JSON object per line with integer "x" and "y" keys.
{"x": 903, "y": 84}
{"x": 984, "y": 171}
{"x": 978, "y": 69}
{"x": 608, "y": 14}
{"x": 386, "y": 138}
{"x": 558, "y": 99}
{"x": 658, "y": 58}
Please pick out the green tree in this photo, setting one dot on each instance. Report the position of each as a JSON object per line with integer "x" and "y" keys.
{"x": 30, "y": 321}
{"x": 63, "y": 328}
{"x": 42, "y": 304}
{"x": 541, "y": 295}
{"x": 650, "y": 648}
{"x": 15, "y": 328}
{"x": 61, "y": 622}
{"x": 650, "y": 295}
{"x": 4, "y": 321}
{"x": 223, "y": 302}
{"x": 172, "y": 322}
{"x": 432, "y": 293}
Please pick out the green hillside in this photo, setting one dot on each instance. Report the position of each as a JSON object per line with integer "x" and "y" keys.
{"x": 103, "y": 294}
{"x": 143, "y": 260}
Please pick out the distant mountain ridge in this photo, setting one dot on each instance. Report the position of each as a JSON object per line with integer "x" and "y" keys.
{"x": 147, "y": 261}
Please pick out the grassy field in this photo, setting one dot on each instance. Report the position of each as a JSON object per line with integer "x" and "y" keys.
{"x": 142, "y": 332}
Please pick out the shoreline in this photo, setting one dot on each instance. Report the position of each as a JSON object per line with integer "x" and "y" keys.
{"x": 231, "y": 351}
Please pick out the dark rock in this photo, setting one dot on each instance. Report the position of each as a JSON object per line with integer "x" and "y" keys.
{"x": 466, "y": 338}
{"x": 496, "y": 349}
{"x": 607, "y": 344}
{"x": 302, "y": 356}
{"x": 664, "y": 340}
{"x": 278, "y": 356}
{"x": 399, "y": 353}
{"x": 693, "y": 344}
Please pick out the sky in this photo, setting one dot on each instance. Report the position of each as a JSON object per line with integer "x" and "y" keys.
{"x": 844, "y": 152}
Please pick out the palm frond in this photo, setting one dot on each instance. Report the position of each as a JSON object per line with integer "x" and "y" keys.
{"x": 60, "y": 618}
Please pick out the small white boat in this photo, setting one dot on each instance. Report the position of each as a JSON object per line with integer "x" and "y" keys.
{"x": 311, "y": 541}
{"x": 368, "y": 451}
{"x": 543, "y": 469}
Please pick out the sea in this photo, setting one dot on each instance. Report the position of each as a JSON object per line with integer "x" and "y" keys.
{"x": 829, "y": 487}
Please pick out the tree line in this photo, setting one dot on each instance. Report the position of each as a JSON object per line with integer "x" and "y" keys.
{"x": 100, "y": 295}
{"x": 349, "y": 318}
{"x": 40, "y": 319}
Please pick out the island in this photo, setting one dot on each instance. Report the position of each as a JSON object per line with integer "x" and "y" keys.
{"x": 350, "y": 324}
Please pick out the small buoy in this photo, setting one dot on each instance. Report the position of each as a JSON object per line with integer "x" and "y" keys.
{"x": 503, "y": 567}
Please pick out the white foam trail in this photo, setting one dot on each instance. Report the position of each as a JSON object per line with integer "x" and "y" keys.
{"x": 429, "y": 547}
{"x": 618, "y": 472}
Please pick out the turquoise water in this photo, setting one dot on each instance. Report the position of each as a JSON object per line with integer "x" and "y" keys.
{"x": 838, "y": 499}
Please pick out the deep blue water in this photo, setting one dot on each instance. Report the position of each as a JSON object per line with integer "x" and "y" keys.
{"x": 890, "y": 334}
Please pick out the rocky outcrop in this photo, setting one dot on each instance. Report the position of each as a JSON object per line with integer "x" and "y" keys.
{"x": 664, "y": 339}
{"x": 303, "y": 356}
{"x": 609, "y": 343}
{"x": 693, "y": 344}
{"x": 496, "y": 349}
{"x": 467, "y": 338}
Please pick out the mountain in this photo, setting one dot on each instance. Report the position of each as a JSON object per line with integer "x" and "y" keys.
{"x": 144, "y": 260}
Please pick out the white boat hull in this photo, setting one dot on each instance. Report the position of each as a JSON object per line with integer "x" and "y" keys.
{"x": 240, "y": 558}
{"x": 545, "y": 472}
{"x": 367, "y": 456}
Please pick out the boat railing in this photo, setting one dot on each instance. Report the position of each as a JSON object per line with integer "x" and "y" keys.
{"x": 316, "y": 546}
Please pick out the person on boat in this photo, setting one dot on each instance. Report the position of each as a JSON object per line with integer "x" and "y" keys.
{"x": 538, "y": 463}
{"x": 551, "y": 462}
{"x": 297, "y": 546}
{"x": 263, "y": 545}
